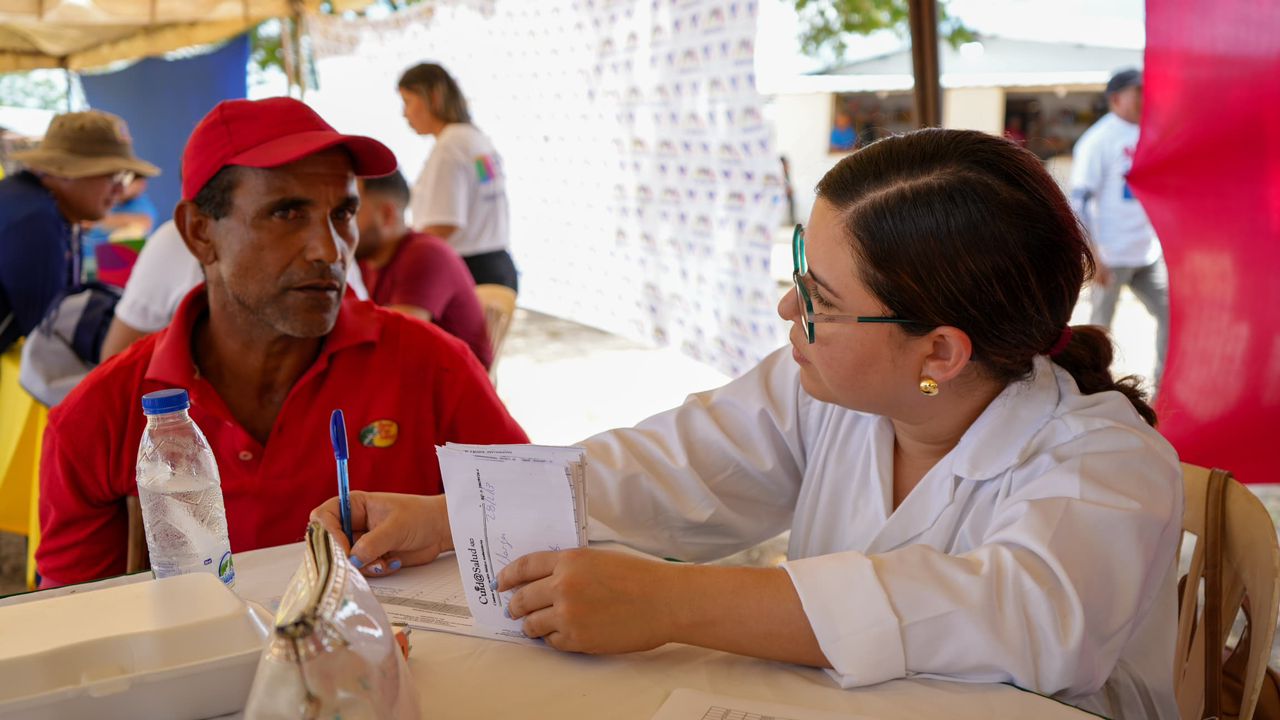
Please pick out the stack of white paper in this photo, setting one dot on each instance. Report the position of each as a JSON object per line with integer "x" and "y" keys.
{"x": 506, "y": 501}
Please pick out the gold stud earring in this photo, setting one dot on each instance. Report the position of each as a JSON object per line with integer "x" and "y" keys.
{"x": 928, "y": 386}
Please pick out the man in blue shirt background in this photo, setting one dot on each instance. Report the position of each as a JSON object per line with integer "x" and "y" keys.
{"x": 75, "y": 175}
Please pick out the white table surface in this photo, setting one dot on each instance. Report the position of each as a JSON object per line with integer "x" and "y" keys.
{"x": 466, "y": 677}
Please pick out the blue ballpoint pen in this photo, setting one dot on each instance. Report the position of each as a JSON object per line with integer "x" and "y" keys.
{"x": 338, "y": 435}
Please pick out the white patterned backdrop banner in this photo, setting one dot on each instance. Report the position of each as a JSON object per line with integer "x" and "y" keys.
{"x": 644, "y": 187}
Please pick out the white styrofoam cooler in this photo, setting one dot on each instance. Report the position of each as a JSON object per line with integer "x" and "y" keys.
{"x": 184, "y": 647}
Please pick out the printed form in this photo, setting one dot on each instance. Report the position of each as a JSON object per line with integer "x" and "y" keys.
{"x": 506, "y": 501}
{"x": 430, "y": 597}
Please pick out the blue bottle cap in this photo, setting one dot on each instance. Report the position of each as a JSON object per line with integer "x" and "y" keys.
{"x": 161, "y": 402}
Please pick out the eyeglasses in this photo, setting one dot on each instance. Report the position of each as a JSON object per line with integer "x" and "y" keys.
{"x": 124, "y": 178}
{"x": 806, "y": 302}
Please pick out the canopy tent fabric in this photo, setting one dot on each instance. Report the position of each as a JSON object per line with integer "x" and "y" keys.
{"x": 79, "y": 34}
{"x": 1207, "y": 171}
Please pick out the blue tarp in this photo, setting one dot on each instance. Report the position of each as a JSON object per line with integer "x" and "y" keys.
{"x": 162, "y": 100}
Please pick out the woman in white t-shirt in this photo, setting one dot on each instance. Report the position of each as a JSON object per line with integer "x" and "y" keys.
{"x": 970, "y": 493}
{"x": 461, "y": 194}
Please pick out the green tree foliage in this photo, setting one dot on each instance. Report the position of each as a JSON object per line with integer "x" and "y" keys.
{"x": 42, "y": 89}
{"x": 827, "y": 24}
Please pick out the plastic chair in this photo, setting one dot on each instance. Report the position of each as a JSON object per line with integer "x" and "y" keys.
{"x": 1249, "y": 558}
{"x": 499, "y": 303}
{"x": 22, "y": 422}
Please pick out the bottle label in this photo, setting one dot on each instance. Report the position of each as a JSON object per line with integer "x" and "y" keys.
{"x": 227, "y": 570}
{"x": 223, "y": 568}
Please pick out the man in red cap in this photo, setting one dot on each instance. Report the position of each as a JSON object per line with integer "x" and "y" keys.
{"x": 267, "y": 348}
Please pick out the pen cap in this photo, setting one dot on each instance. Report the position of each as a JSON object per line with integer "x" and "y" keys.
{"x": 338, "y": 435}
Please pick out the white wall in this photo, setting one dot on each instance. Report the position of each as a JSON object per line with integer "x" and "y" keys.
{"x": 974, "y": 109}
{"x": 803, "y": 127}
{"x": 27, "y": 122}
{"x": 802, "y": 124}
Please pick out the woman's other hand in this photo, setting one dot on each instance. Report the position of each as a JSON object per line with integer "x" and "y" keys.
{"x": 591, "y": 601}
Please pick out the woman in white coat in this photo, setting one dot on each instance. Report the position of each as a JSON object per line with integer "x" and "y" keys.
{"x": 970, "y": 494}
{"x": 461, "y": 194}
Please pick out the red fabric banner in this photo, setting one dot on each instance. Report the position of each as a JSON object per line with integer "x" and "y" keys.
{"x": 1207, "y": 170}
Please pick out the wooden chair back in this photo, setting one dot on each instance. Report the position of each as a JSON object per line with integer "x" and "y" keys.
{"x": 137, "y": 558}
{"x": 499, "y": 303}
{"x": 1232, "y": 530}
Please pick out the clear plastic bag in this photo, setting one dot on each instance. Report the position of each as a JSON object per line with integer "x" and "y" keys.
{"x": 334, "y": 654}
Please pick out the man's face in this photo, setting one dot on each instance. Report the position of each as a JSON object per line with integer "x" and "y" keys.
{"x": 369, "y": 222}
{"x": 89, "y": 198}
{"x": 1127, "y": 104}
{"x": 283, "y": 250}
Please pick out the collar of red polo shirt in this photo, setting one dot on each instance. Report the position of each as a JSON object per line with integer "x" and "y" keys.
{"x": 270, "y": 133}
{"x": 172, "y": 364}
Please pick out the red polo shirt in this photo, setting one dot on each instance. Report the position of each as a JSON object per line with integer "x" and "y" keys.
{"x": 425, "y": 272}
{"x": 404, "y": 387}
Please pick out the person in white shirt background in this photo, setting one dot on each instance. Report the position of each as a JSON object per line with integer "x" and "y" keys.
{"x": 1124, "y": 243}
{"x": 163, "y": 274}
{"x": 461, "y": 194}
{"x": 970, "y": 493}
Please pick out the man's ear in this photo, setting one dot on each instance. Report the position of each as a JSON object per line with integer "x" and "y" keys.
{"x": 389, "y": 213}
{"x": 195, "y": 227}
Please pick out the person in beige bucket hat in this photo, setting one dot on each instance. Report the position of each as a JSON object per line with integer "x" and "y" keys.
{"x": 84, "y": 144}
{"x": 75, "y": 175}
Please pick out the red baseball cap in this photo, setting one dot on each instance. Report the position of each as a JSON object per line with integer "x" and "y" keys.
{"x": 266, "y": 134}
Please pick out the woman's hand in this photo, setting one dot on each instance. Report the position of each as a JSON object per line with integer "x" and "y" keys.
{"x": 593, "y": 601}
{"x": 390, "y": 530}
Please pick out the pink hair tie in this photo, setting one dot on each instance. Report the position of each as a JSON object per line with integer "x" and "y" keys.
{"x": 1064, "y": 339}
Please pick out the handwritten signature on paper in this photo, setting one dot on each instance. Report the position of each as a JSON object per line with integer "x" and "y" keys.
{"x": 504, "y": 549}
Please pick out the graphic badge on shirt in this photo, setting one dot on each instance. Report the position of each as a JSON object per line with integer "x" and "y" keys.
{"x": 486, "y": 169}
{"x": 380, "y": 434}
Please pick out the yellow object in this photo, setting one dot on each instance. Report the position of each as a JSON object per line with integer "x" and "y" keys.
{"x": 22, "y": 423}
{"x": 1250, "y": 572}
{"x": 928, "y": 386}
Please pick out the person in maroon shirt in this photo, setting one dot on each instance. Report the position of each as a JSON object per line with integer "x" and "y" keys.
{"x": 414, "y": 273}
{"x": 267, "y": 348}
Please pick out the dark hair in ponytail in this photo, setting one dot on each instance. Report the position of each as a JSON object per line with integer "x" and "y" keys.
{"x": 962, "y": 228}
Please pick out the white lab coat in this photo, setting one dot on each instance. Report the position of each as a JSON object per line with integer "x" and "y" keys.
{"x": 1040, "y": 551}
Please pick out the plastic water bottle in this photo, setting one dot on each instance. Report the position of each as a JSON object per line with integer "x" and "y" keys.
{"x": 180, "y": 492}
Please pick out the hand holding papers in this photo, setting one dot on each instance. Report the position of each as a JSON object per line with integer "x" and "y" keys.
{"x": 506, "y": 501}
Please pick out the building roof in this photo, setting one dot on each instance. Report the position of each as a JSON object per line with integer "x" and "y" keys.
{"x": 989, "y": 62}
